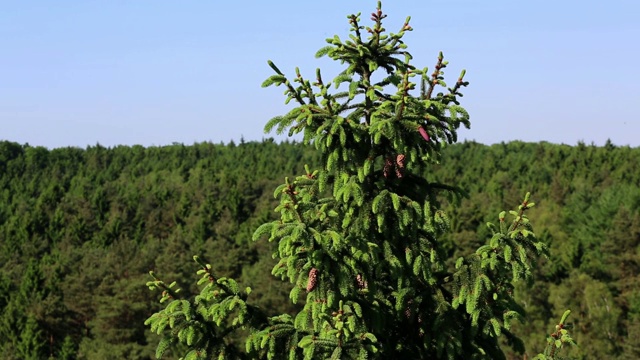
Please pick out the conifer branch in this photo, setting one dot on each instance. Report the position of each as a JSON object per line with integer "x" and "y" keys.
{"x": 291, "y": 192}
{"x": 520, "y": 215}
{"x": 353, "y": 20}
{"x": 435, "y": 76}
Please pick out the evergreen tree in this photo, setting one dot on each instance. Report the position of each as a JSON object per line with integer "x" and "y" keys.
{"x": 21, "y": 331}
{"x": 360, "y": 237}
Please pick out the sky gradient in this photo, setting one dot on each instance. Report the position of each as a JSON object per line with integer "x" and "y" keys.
{"x": 77, "y": 73}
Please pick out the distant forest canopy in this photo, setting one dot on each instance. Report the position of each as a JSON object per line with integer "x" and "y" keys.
{"x": 81, "y": 228}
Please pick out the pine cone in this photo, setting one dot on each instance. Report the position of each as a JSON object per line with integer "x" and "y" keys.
{"x": 388, "y": 164}
{"x": 313, "y": 279}
{"x": 407, "y": 310}
{"x": 362, "y": 284}
{"x": 424, "y": 133}
{"x": 400, "y": 166}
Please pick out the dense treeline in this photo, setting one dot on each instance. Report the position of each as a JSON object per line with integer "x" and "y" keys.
{"x": 80, "y": 229}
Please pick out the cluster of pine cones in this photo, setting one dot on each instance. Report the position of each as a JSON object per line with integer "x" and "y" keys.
{"x": 313, "y": 280}
{"x": 397, "y": 166}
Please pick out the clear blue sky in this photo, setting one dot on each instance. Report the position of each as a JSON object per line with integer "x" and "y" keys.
{"x": 77, "y": 73}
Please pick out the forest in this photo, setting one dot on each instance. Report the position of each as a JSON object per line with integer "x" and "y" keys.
{"x": 80, "y": 229}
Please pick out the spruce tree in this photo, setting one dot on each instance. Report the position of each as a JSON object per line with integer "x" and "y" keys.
{"x": 361, "y": 237}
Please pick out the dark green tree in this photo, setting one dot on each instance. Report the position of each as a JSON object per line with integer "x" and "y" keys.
{"x": 20, "y": 329}
{"x": 359, "y": 238}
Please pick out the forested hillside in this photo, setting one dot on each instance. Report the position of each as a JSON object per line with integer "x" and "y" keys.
{"x": 81, "y": 228}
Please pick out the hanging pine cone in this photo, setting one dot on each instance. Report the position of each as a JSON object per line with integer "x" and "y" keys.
{"x": 362, "y": 284}
{"x": 313, "y": 279}
{"x": 423, "y": 133}
{"x": 407, "y": 312}
{"x": 400, "y": 165}
{"x": 388, "y": 164}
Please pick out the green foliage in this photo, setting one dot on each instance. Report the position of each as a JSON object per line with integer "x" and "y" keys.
{"x": 78, "y": 240}
{"x": 202, "y": 324}
{"x": 360, "y": 234}
{"x": 91, "y": 297}
{"x": 20, "y": 328}
{"x": 494, "y": 269}
{"x": 557, "y": 340}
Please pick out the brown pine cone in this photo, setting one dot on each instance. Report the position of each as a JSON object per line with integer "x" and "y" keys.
{"x": 400, "y": 165}
{"x": 362, "y": 284}
{"x": 388, "y": 164}
{"x": 313, "y": 279}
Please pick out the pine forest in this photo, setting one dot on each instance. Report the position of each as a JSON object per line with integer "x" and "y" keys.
{"x": 81, "y": 229}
